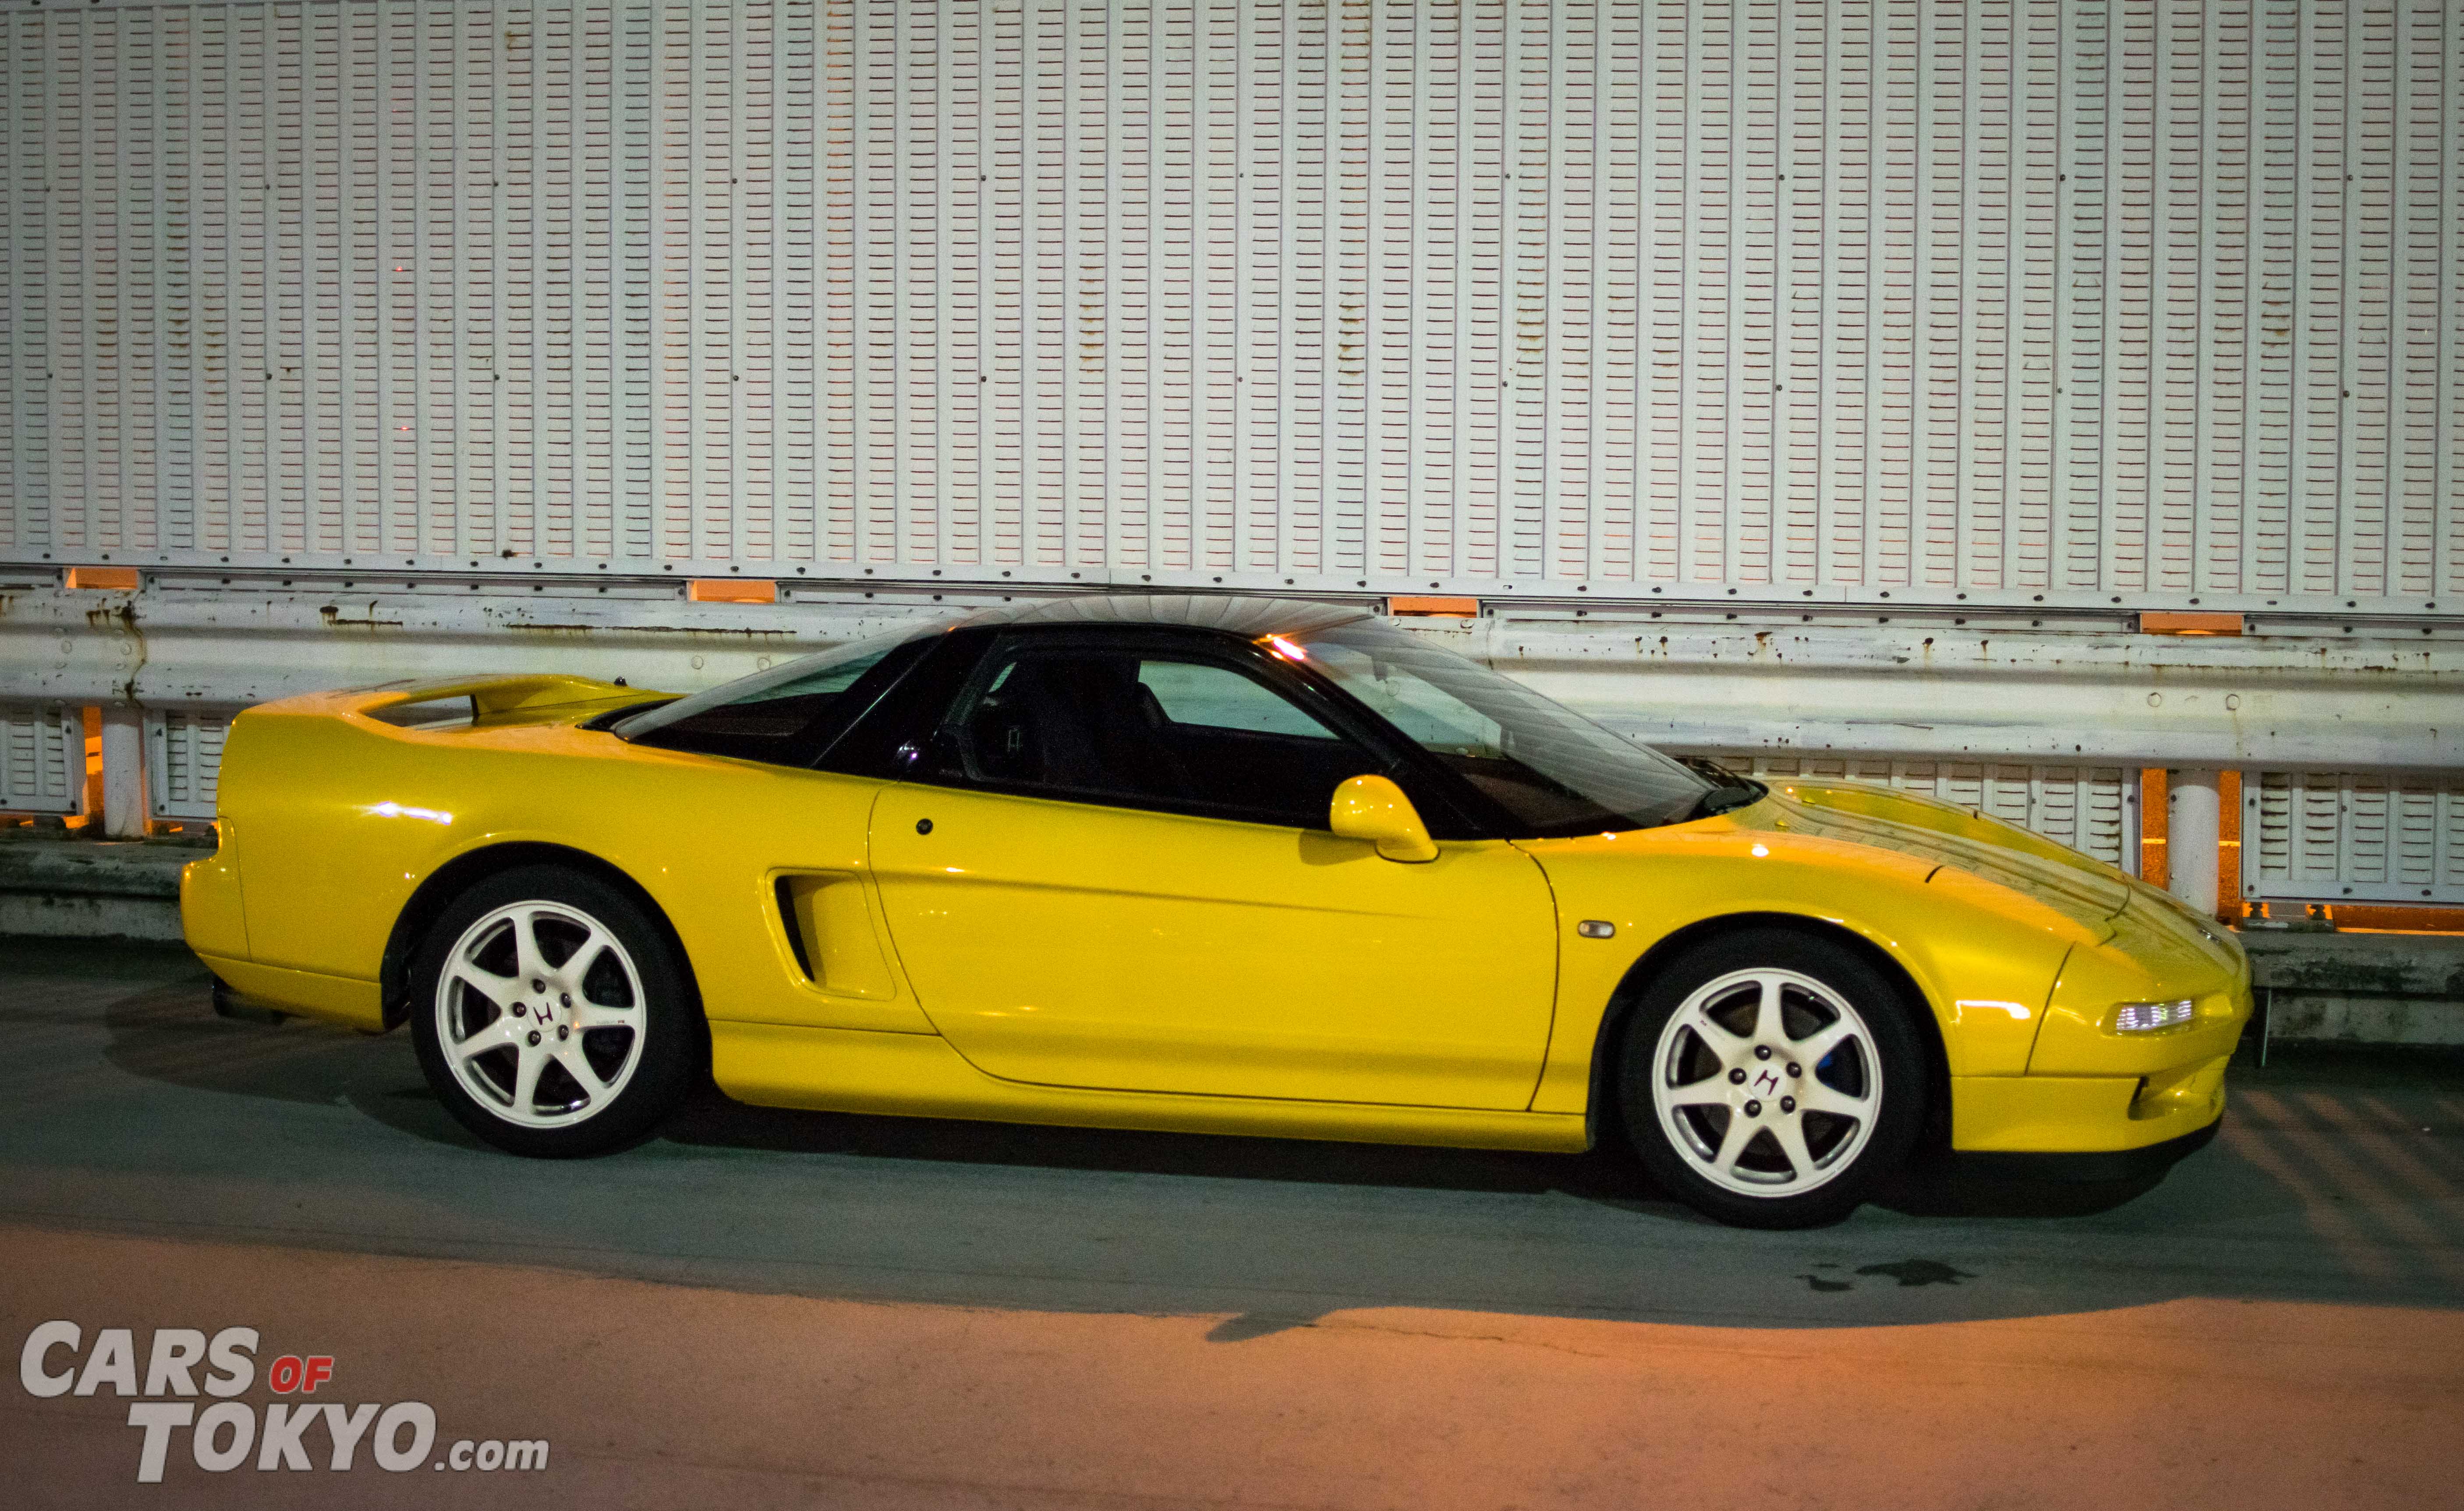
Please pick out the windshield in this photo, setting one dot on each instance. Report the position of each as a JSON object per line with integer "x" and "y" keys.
{"x": 1556, "y": 772}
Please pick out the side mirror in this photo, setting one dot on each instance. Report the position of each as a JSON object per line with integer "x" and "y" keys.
{"x": 1374, "y": 809}
{"x": 937, "y": 754}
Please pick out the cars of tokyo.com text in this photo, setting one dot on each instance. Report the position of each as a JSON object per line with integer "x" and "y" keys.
{"x": 165, "y": 1379}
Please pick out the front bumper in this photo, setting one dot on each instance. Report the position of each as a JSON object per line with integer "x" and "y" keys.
{"x": 2091, "y": 1088}
{"x": 2118, "y": 1164}
{"x": 2085, "y": 1114}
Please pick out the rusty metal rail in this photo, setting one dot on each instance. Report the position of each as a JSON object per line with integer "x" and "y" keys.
{"x": 1939, "y": 682}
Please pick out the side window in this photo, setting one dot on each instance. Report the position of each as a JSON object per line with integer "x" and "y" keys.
{"x": 787, "y": 716}
{"x": 1219, "y": 698}
{"x": 1155, "y": 729}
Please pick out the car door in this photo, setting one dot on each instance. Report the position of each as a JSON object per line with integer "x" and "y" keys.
{"x": 1116, "y": 872}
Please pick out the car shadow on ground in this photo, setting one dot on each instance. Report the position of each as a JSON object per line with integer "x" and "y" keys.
{"x": 169, "y": 1033}
{"x": 2333, "y": 1184}
{"x": 1933, "y": 1186}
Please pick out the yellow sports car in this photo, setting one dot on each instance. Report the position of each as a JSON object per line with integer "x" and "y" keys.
{"x": 1210, "y": 864}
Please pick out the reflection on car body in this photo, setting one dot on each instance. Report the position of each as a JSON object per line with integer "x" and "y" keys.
{"x": 1220, "y": 864}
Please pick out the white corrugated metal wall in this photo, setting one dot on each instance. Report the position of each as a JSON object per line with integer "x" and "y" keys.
{"x": 42, "y": 758}
{"x": 184, "y": 761}
{"x": 1847, "y": 298}
{"x": 2345, "y": 835}
{"x": 1877, "y": 302}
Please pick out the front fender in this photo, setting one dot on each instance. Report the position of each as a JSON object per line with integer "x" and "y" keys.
{"x": 1983, "y": 956}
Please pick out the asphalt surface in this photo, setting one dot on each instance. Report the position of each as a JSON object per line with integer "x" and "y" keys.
{"x": 768, "y": 1307}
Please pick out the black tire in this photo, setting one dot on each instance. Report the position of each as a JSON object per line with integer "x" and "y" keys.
{"x": 1882, "y": 1058}
{"x": 647, "y": 1052}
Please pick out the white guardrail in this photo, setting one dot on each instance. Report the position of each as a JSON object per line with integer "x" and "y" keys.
{"x": 2349, "y": 733}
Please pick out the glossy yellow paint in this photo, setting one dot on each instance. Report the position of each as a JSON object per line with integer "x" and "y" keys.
{"x": 352, "y": 814}
{"x": 1373, "y": 808}
{"x": 2085, "y": 1114}
{"x": 2157, "y": 953}
{"x": 211, "y": 912}
{"x": 1052, "y": 962}
{"x": 1653, "y": 883}
{"x": 1982, "y": 917}
{"x": 836, "y": 1070}
{"x": 837, "y": 921}
{"x": 348, "y": 1001}
{"x": 1071, "y": 945}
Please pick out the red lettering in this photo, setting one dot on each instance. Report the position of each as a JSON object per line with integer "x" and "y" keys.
{"x": 283, "y": 1377}
{"x": 321, "y": 1369}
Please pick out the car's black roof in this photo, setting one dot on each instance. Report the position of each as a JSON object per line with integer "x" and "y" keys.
{"x": 1247, "y": 617}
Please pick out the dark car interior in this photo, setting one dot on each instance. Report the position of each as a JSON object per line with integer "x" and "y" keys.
{"x": 1081, "y": 723}
{"x": 789, "y": 724}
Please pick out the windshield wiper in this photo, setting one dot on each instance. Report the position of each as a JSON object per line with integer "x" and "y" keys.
{"x": 1721, "y": 799}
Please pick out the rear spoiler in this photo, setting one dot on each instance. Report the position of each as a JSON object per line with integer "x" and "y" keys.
{"x": 491, "y": 695}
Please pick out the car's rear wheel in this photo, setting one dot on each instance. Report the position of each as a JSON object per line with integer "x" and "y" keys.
{"x": 551, "y": 1014}
{"x": 1771, "y": 1078}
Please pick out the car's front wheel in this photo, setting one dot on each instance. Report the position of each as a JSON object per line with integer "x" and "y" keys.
{"x": 551, "y": 1014}
{"x": 1771, "y": 1078}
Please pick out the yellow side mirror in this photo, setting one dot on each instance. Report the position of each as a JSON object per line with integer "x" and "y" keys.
{"x": 1373, "y": 808}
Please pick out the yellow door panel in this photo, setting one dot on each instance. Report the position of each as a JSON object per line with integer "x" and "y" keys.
{"x": 1077, "y": 945}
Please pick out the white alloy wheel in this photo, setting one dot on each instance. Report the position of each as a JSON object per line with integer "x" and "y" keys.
{"x": 1767, "y": 1082}
{"x": 539, "y": 1014}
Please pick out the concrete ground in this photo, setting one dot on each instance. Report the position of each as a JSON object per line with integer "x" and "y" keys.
{"x": 768, "y": 1308}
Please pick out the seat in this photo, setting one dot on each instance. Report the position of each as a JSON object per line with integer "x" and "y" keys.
{"x": 1083, "y": 723}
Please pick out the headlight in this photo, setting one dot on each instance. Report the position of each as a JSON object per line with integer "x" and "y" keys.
{"x": 2146, "y": 1017}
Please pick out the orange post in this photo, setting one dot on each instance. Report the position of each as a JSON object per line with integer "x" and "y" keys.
{"x": 2152, "y": 792}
